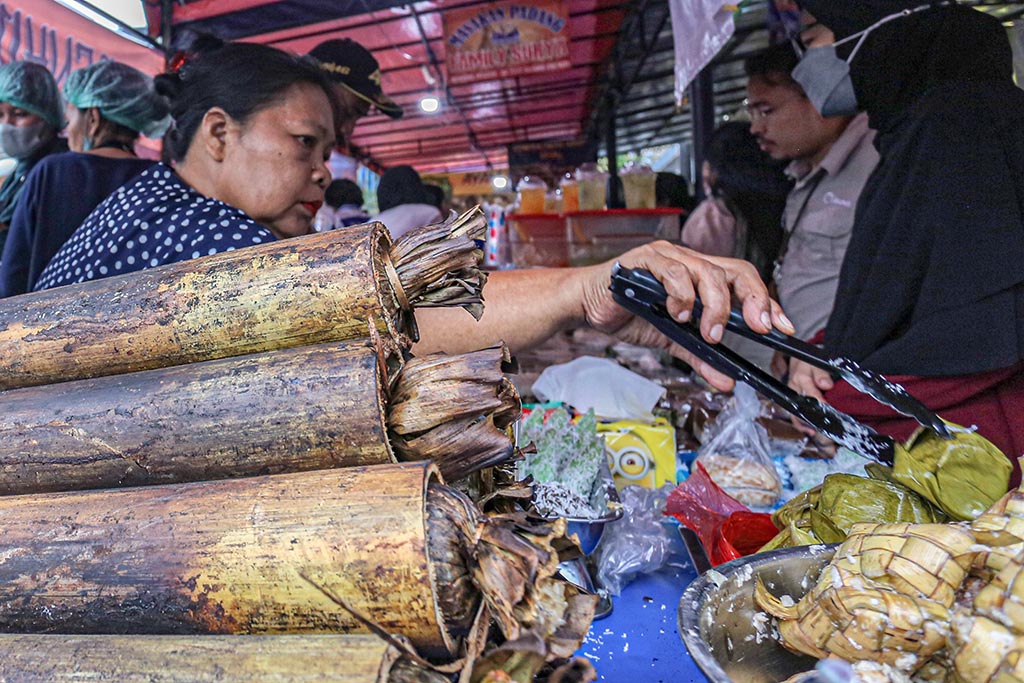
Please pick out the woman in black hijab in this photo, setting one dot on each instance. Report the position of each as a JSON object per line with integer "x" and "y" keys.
{"x": 931, "y": 291}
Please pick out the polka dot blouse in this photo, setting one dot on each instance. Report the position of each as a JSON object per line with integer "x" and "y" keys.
{"x": 151, "y": 220}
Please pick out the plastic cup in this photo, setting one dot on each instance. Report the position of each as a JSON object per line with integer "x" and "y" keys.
{"x": 592, "y": 184}
{"x": 531, "y": 195}
{"x": 638, "y": 184}
{"x": 553, "y": 202}
{"x": 570, "y": 194}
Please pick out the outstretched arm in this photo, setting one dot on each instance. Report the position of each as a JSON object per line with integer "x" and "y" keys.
{"x": 524, "y": 308}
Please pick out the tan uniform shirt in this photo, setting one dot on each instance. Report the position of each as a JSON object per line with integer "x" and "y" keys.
{"x": 818, "y": 221}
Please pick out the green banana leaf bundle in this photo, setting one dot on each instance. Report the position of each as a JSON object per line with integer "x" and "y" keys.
{"x": 963, "y": 476}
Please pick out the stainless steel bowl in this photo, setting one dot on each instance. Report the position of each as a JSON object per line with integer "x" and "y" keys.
{"x": 728, "y": 636}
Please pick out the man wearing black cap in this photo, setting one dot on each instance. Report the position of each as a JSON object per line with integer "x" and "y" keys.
{"x": 356, "y": 75}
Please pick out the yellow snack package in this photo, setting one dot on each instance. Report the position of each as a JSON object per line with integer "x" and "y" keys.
{"x": 640, "y": 453}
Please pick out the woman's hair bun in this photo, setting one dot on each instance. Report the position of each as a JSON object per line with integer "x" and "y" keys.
{"x": 169, "y": 85}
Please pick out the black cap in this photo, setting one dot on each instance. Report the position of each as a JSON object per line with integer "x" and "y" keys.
{"x": 351, "y": 65}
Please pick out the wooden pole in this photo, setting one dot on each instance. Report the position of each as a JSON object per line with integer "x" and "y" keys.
{"x": 204, "y": 659}
{"x": 314, "y": 407}
{"x": 225, "y": 557}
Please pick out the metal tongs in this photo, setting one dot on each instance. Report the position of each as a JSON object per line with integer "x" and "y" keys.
{"x": 642, "y": 294}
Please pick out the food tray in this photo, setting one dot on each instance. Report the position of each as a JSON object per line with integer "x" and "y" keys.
{"x": 727, "y": 634}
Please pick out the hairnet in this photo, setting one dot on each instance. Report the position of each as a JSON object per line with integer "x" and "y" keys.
{"x": 122, "y": 94}
{"x": 31, "y": 87}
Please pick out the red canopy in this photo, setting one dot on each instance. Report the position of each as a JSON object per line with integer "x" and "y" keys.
{"x": 470, "y": 132}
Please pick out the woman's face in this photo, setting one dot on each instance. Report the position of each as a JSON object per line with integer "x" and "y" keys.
{"x": 16, "y": 116}
{"x": 275, "y": 165}
{"x": 76, "y": 130}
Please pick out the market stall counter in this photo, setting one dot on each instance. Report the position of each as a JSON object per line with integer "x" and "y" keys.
{"x": 639, "y": 641}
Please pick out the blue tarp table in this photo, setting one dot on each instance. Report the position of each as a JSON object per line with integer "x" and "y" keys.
{"x": 639, "y": 642}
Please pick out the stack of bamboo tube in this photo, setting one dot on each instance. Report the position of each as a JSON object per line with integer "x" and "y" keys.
{"x": 243, "y": 395}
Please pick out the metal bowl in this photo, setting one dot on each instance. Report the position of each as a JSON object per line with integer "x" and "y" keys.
{"x": 589, "y": 531}
{"x": 727, "y": 634}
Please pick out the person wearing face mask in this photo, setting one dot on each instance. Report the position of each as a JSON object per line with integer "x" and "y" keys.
{"x": 30, "y": 118}
{"x": 253, "y": 129}
{"x": 109, "y": 104}
{"x": 931, "y": 292}
{"x": 830, "y": 158}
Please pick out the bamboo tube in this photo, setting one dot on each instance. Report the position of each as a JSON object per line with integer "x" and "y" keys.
{"x": 297, "y": 292}
{"x": 254, "y": 555}
{"x": 314, "y": 407}
{"x": 206, "y": 659}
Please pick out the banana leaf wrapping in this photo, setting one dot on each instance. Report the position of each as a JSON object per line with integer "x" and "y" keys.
{"x": 826, "y": 513}
{"x": 314, "y": 407}
{"x": 962, "y": 476}
{"x": 206, "y": 659}
{"x": 254, "y": 556}
{"x": 297, "y": 292}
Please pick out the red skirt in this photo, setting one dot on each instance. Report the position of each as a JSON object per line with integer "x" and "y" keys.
{"x": 991, "y": 401}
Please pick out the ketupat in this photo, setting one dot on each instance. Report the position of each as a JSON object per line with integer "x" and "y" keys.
{"x": 886, "y": 596}
{"x": 307, "y": 290}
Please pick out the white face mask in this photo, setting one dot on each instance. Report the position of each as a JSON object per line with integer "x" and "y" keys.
{"x": 19, "y": 142}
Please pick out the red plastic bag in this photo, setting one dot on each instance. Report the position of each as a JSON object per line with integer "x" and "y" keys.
{"x": 726, "y": 527}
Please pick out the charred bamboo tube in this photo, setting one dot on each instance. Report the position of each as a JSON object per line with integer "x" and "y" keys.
{"x": 297, "y": 292}
{"x": 314, "y": 407}
{"x": 206, "y": 659}
{"x": 255, "y": 555}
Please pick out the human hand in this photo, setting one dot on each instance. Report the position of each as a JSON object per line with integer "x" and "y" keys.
{"x": 685, "y": 274}
{"x": 808, "y": 380}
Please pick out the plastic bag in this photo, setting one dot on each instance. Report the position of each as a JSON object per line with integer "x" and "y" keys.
{"x": 738, "y": 456}
{"x": 601, "y": 385}
{"x": 639, "y": 543}
{"x": 727, "y": 528}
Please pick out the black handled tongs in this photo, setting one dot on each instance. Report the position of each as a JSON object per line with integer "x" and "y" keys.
{"x": 642, "y": 294}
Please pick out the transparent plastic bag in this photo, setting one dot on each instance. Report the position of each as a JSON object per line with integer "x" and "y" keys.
{"x": 738, "y": 455}
{"x": 640, "y": 542}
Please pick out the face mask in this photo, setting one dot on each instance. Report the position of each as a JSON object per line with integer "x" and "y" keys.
{"x": 19, "y": 142}
{"x": 826, "y": 81}
{"x": 825, "y": 77}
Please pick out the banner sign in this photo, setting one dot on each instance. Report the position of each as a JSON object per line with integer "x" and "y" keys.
{"x": 48, "y": 33}
{"x": 506, "y": 40}
{"x": 559, "y": 153}
{"x": 463, "y": 184}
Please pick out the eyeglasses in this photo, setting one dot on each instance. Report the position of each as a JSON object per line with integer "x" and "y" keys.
{"x": 763, "y": 111}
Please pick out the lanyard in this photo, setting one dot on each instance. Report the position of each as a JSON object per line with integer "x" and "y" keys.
{"x": 788, "y": 234}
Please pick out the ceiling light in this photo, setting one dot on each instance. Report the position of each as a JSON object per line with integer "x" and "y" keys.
{"x": 430, "y": 104}
{"x": 500, "y": 182}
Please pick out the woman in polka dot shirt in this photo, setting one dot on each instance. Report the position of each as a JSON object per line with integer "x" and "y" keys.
{"x": 254, "y": 127}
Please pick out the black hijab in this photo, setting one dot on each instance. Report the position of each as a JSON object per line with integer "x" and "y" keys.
{"x": 933, "y": 279}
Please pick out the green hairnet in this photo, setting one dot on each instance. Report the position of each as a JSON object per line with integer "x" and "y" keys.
{"x": 122, "y": 94}
{"x": 31, "y": 87}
